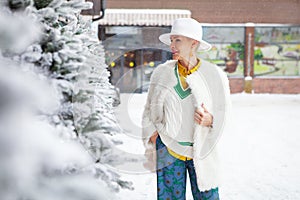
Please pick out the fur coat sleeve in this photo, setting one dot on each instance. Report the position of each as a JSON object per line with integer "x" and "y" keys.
{"x": 154, "y": 115}
{"x": 206, "y": 158}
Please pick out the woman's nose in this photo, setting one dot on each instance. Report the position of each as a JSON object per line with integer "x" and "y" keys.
{"x": 172, "y": 45}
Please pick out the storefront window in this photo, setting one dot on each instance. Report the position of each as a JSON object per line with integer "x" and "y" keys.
{"x": 277, "y": 51}
{"x": 227, "y": 48}
{"x": 132, "y": 53}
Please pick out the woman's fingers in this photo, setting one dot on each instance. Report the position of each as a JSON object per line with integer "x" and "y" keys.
{"x": 198, "y": 116}
{"x": 203, "y": 118}
{"x": 154, "y": 137}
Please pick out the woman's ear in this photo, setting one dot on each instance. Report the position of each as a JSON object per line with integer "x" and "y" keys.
{"x": 195, "y": 44}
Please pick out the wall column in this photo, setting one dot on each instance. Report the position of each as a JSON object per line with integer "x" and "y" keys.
{"x": 249, "y": 57}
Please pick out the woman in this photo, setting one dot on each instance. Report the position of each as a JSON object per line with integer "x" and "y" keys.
{"x": 184, "y": 116}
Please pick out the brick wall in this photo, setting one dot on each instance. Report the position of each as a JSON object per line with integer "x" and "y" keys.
{"x": 222, "y": 11}
{"x": 277, "y": 85}
{"x": 236, "y": 85}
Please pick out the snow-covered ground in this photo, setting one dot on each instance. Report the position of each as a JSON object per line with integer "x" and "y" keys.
{"x": 259, "y": 149}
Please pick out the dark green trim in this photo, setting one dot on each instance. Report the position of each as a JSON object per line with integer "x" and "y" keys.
{"x": 183, "y": 93}
{"x": 186, "y": 143}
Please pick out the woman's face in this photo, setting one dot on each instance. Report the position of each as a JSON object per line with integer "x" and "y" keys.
{"x": 181, "y": 46}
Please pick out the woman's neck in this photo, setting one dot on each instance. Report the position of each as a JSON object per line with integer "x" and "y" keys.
{"x": 189, "y": 63}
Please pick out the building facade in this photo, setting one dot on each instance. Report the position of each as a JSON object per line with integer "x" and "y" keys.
{"x": 259, "y": 40}
{"x": 224, "y": 11}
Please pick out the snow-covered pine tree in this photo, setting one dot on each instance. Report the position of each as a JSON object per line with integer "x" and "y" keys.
{"x": 62, "y": 51}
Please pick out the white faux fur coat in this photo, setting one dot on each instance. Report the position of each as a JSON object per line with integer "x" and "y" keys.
{"x": 209, "y": 85}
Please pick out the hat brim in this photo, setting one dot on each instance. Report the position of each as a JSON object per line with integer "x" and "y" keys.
{"x": 165, "y": 38}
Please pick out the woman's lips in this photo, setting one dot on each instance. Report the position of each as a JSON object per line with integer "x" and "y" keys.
{"x": 175, "y": 55}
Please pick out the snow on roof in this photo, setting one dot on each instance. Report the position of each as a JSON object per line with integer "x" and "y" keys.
{"x": 142, "y": 17}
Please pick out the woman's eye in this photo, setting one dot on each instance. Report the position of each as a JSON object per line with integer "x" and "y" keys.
{"x": 176, "y": 40}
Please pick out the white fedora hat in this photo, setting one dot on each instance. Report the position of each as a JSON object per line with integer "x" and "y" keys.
{"x": 187, "y": 27}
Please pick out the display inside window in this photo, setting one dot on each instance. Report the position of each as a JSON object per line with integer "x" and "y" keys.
{"x": 277, "y": 51}
{"x": 227, "y": 48}
{"x": 132, "y": 53}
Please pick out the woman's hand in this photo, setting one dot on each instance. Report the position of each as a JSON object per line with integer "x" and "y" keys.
{"x": 154, "y": 137}
{"x": 203, "y": 118}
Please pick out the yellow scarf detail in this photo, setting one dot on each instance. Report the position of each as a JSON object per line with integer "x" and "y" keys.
{"x": 183, "y": 72}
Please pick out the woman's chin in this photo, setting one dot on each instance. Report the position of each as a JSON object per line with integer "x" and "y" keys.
{"x": 176, "y": 57}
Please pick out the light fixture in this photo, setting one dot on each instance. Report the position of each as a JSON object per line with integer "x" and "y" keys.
{"x": 151, "y": 64}
{"x": 112, "y": 64}
{"x": 131, "y": 64}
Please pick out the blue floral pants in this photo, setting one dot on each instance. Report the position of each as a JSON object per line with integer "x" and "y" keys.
{"x": 172, "y": 174}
